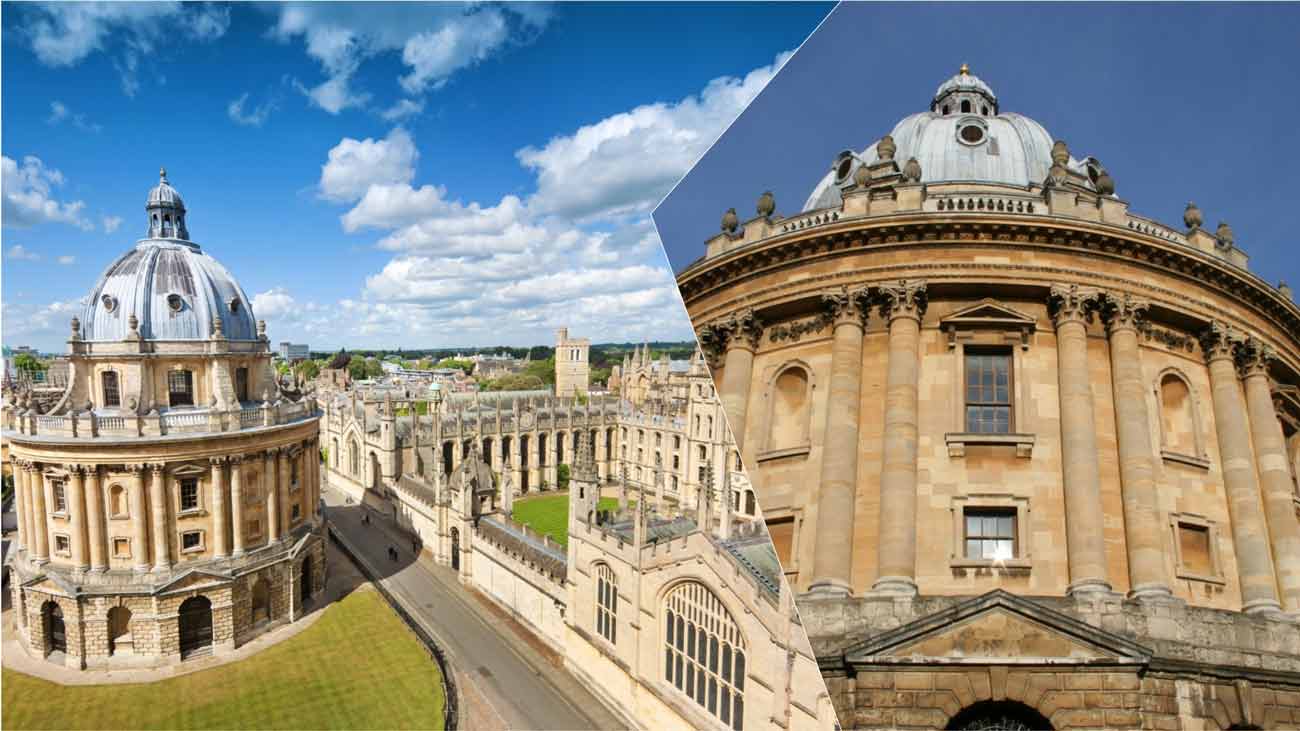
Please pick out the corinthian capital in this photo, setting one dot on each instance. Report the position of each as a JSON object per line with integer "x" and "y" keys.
{"x": 904, "y": 298}
{"x": 1072, "y": 303}
{"x": 1219, "y": 341}
{"x": 1253, "y": 357}
{"x": 1123, "y": 311}
{"x": 713, "y": 341}
{"x": 746, "y": 329}
{"x": 846, "y": 305}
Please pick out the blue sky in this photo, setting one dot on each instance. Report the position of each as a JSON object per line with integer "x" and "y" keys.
{"x": 375, "y": 175}
{"x": 1180, "y": 102}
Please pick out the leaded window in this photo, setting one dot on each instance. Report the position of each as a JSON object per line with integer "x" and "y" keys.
{"x": 988, "y": 392}
{"x": 704, "y": 652}
{"x": 606, "y": 603}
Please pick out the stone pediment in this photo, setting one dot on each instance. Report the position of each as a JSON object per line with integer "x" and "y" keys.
{"x": 998, "y": 628}
{"x": 50, "y": 583}
{"x": 988, "y": 314}
{"x": 192, "y": 579}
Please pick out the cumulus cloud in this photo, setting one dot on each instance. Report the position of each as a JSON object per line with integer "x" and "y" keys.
{"x": 353, "y": 166}
{"x": 435, "y": 42}
{"x": 253, "y": 116}
{"x": 19, "y": 252}
{"x": 625, "y": 164}
{"x": 64, "y": 34}
{"x": 402, "y": 109}
{"x": 44, "y": 325}
{"x": 111, "y": 223}
{"x": 28, "y": 196}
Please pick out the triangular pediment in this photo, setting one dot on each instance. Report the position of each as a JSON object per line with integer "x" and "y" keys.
{"x": 51, "y": 584}
{"x": 989, "y": 312}
{"x": 997, "y": 628}
{"x": 192, "y": 579}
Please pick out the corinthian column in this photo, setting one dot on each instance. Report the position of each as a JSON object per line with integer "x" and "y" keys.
{"x": 271, "y": 480}
{"x": 1274, "y": 474}
{"x": 236, "y": 506}
{"x": 76, "y": 500}
{"x": 95, "y": 521}
{"x": 1142, "y": 533}
{"x": 903, "y": 305}
{"x": 837, "y": 490}
{"x": 158, "y": 497}
{"x": 1072, "y": 308}
{"x": 1249, "y": 534}
{"x": 40, "y": 517}
{"x": 219, "y": 522}
{"x": 139, "y": 520}
{"x": 740, "y": 335}
{"x": 20, "y": 505}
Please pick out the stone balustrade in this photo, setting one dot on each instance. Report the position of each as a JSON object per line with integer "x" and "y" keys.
{"x": 90, "y": 425}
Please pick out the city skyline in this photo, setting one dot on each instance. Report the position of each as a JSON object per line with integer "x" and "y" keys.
{"x": 369, "y": 195}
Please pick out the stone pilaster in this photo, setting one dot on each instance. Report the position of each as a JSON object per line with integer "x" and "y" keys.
{"x": 902, "y": 305}
{"x": 1249, "y": 533}
{"x": 158, "y": 498}
{"x": 95, "y": 520}
{"x": 236, "y": 506}
{"x": 76, "y": 501}
{"x": 1144, "y": 537}
{"x": 271, "y": 483}
{"x": 1274, "y": 474}
{"x": 40, "y": 515}
{"x": 139, "y": 519}
{"x": 220, "y": 525}
{"x": 1072, "y": 307}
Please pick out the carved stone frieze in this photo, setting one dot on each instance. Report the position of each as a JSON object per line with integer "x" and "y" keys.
{"x": 793, "y": 332}
{"x": 1169, "y": 338}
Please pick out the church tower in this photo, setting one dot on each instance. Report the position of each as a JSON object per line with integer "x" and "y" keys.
{"x": 572, "y": 369}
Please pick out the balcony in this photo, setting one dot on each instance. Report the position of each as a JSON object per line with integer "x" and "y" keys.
{"x": 112, "y": 426}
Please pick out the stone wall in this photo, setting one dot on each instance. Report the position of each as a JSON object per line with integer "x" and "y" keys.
{"x": 534, "y": 597}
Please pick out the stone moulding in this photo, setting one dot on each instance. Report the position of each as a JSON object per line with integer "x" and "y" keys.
{"x": 958, "y": 442}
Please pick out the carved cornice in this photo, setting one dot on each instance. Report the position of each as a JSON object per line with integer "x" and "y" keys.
{"x": 1072, "y": 303}
{"x": 1123, "y": 311}
{"x": 904, "y": 298}
{"x": 1220, "y": 341}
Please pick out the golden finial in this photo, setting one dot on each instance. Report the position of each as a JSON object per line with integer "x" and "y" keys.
{"x": 964, "y": 69}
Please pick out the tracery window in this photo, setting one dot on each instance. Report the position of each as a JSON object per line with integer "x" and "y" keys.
{"x": 607, "y": 603}
{"x": 354, "y": 457}
{"x": 704, "y": 652}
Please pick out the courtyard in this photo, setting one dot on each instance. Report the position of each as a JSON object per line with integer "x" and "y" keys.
{"x": 357, "y": 666}
{"x": 549, "y": 514}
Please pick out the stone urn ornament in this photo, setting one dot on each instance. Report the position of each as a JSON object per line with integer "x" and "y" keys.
{"x": 730, "y": 221}
{"x": 1192, "y": 217}
{"x": 912, "y": 171}
{"x": 766, "y": 204}
{"x": 1224, "y": 234}
{"x": 886, "y": 148}
{"x": 1105, "y": 184}
{"x": 1060, "y": 153}
{"x": 861, "y": 176}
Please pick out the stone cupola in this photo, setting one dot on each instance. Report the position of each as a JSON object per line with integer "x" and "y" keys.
{"x": 166, "y": 211}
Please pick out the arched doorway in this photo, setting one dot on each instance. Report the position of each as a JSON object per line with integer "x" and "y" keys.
{"x": 305, "y": 581}
{"x": 455, "y": 549}
{"x": 56, "y": 638}
{"x": 119, "y": 629}
{"x": 195, "y": 626}
{"x": 261, "y": 601}
{"x": 999, "y": 716}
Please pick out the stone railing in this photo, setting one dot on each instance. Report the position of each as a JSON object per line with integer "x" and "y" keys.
{"x": 89, "y": 425}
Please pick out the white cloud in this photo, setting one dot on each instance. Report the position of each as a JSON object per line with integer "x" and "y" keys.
{"x": 20, "y": 253}
{"x": 402, "y": 109}
{"x": 435, "y": 41}
{"x": 253, "y": 117}
{"x": 355, "y": 165}
{"x": 111, "y": 223}
{"x": 59, "y": 113}
{"x": 45, "y": 326}
{"x": 27, "y": 195}
{"x": 67, "y": 260}
{"x": 273, "y": 303}
{"x": 625, "y": 164}
{"x": 64, "y": 34}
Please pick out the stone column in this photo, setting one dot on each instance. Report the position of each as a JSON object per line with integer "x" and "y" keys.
{"x": 1072, "y": 307}
{"x": 1144, "y": 536}
{"x": 139, "y": 520}
{"x": 833, "y": 549}
{"x": 158, "y": 497}
{"x": 20, "y": 506}
{"x": 220, "y": 525}
{"x": 76, "y": 500}
{"x": 39, "y": 513}
{"x": 741, "y": 335}
{"x": 903, "y": 305}
{"x": 270, "y": 481}
{"x": 286, "y": 470}
{"x": 1249, "y": 533}
{"x": 95, "y": 519}
{"x": 1274, "y": 473}
{"x": 236, "y": 506}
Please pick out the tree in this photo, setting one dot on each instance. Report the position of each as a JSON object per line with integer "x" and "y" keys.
{"x": 28, "y": 362}
{"x": 374, "y": 368}
{"x": 513, "y": 382}
{"x": 562, "y": 475}
{"x": 465, "y": 365}
{"x": 357, "y": 369}
{"x": 282, "y": 368}
{"x": 309, "y": 369}
{"x": 543, "y": 370}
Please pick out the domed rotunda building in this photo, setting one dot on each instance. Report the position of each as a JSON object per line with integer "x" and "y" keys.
{"x": 1029, "y": 458}
{"x": 167, "y": 501}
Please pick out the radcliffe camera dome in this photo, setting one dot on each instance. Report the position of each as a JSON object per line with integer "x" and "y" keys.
{"x": 964, "y": 137}
{"x": 174, "y": 290}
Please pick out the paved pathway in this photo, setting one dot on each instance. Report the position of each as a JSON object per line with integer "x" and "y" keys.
{"x": 506, "y": 683}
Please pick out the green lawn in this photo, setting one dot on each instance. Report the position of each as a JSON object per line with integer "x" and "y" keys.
{"x": 357, "y": 667}
{"x": 549, "y": 514}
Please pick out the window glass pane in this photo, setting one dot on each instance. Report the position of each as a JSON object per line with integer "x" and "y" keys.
{"x": 1004, "y": 526}
{"x": 725, "y": 707}
{"x": 668, "y": 664}
{"x": 738, "y": 714}
{"x": 974, "y": 549}
{"x": 726, "y": 662}
{"x": 740, "y": 671}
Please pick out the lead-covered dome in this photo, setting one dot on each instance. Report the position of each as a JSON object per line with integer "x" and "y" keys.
{"x": 173, "y": 289}
{"x": 964, "y": 137}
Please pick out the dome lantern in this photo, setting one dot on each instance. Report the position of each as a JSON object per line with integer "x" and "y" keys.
{"x": 965, "y": 93}
{"x": 166, "y": 211}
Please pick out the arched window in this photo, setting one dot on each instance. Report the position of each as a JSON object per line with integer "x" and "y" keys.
{"x": 704, "y": 652}
{"x": 1178, "y": 431}
{"x": 117, "y": 502}
{"x": 354, "y": 457}
{"x": 790, "y": 404}
{"x": 606, "y": 603}
{"x": 965, "y": 107}
{"x": 119, "y": 629}
{"x": 261, "y": 601}
{"x": 750, "y": 506}
{"x": 710, "y": 433}
{"x": 112, "y": 397}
